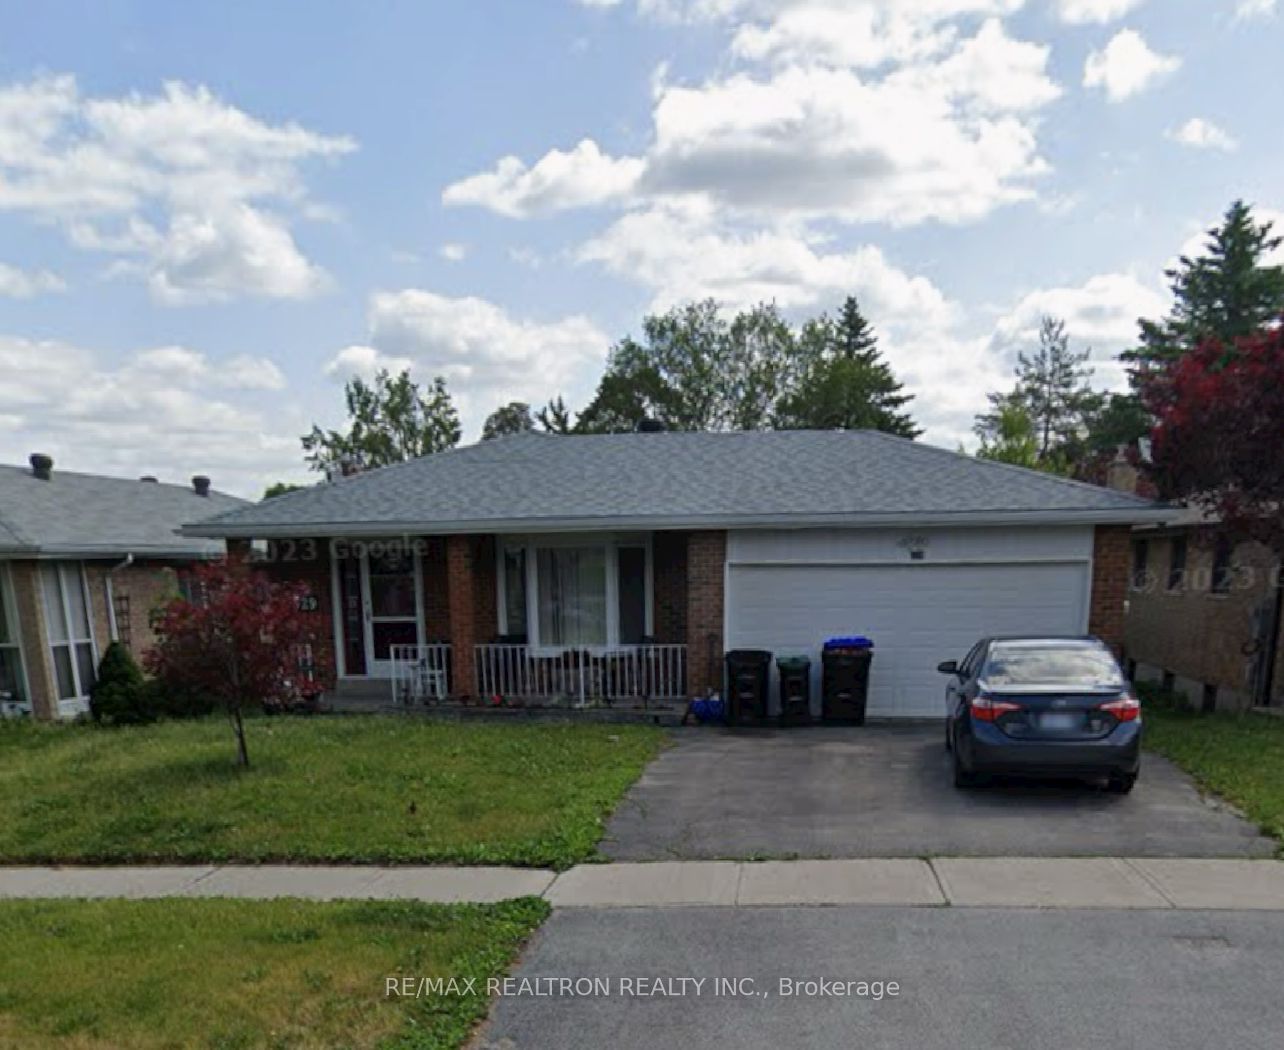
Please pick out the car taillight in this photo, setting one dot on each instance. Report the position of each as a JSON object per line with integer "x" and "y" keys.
{"x": 987, "y": 709}
{"x": 1126, "y": 709}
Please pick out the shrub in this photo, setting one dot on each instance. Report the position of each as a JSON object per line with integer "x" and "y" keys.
{"x": 120, "y": 696}
{"x": 175, "y": 700}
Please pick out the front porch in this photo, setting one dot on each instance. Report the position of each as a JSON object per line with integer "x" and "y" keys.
{"x": 575, "y": 623}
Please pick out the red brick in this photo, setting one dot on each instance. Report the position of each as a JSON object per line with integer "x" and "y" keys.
{"x": 1111, "y": 565}
{"x": 706, "y": 582}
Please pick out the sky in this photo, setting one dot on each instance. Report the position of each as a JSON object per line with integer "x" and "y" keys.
{"x": 213, "y": 214}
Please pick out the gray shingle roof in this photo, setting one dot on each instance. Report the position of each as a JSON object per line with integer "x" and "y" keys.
{"x": 89, "y": 514}
{"x": 676, "y": 480}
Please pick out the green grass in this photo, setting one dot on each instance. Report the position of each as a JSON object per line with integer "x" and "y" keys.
{"x": 227, "y": 975}
{"x": 366, "y": 790}
{"x": 1239, "y": 757}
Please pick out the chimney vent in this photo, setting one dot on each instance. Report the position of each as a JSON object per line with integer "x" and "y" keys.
{"x": 149, "y": 478}
{"x": 650, "y": 426}
{"x": 201, "y": 484}
{"x": 41, "y": 466}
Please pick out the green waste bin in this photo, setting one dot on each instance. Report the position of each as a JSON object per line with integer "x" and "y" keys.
{"x": 795, "y": 689}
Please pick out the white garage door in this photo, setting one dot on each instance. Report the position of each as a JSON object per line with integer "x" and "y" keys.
{"x": 917, "y": 615}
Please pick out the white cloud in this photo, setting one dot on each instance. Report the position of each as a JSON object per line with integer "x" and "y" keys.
{"x": 1127, "y": 66}
{"x": 453, "y": 252}
{"x": 23, "y": 284}
{"x": 1102, "y": 313}
{"x": 486, "y": 356}
{"x": 150, "y": 413}
{"x": 950, "y": 140}
{"x": 584, "y": 176}
{"x": 680, "y": 255}
{"x": 1083, "y": 12}
{"x": 192, "y": 194}
{"x": 1247, "y": 10}
{"x": 1203, "y": 134}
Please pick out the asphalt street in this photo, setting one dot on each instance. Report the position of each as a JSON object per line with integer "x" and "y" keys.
{"x": 992, "y": 979}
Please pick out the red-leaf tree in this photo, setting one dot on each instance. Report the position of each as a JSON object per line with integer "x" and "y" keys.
{"x": 1219, "y": 438}
{"x": 244, "y": 639}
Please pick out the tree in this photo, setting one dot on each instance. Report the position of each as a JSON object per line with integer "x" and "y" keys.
{"x": 1219, "y": 432}
{"x": 280, "y": 488}
{"x": 512, "y": 418}
{"x": 1010, "y": 438}
{"x": 1227, "y": 293}
{"x": 246, "y": 640}
{"x": 843, "y": 381}
{"x": 1053, "y": 390}
{"x": 389, "y": 420}
{"x": 119, "y": 695}
{"x": 694, "y": 370}
{"x": 555, "y": 417}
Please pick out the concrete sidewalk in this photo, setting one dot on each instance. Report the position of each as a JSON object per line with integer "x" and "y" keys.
{"x": 1013, "y": 882}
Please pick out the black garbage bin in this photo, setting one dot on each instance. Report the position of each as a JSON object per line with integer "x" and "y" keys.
{"x": 747, "y": 675}
{"x": 845, "y": 679}
{"x": 795, "y": 690}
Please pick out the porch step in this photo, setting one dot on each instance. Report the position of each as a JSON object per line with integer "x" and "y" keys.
{"x": 359, "y": 695}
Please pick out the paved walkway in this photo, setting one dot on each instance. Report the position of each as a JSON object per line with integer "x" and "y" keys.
{"x": 995, "y": 882}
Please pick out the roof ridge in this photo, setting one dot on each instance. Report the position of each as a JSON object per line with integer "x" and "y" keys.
{"x": 1012, "y": 467}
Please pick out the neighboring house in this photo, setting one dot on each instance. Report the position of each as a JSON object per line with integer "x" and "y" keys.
{"x": 83, "y": 560}
{"x": 1204, "y": 615}
{"x": 623, "y": 565}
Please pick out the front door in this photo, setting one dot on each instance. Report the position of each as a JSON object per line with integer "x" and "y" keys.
{"x": 392, "y": 598}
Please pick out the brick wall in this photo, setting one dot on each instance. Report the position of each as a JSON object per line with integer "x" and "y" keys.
{"x": 1194, "y": 634}
{"x": 138, "y": 589}
{"x": 1111, "y": 565}
{"x": 706, "y": 578}
{"x": 25, "y": 576}
{"x": 436, "y": 594}
{"x": 308, "y": 562}
{"x": 471, "y": 602}
{"x": 669, "y": 587}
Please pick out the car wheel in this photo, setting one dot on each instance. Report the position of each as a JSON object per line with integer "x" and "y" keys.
{"x": 962, "y": 777}
{"x": 1121, "y": 783}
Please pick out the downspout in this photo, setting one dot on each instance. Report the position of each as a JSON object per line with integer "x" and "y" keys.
{"x": 111, "y": 597}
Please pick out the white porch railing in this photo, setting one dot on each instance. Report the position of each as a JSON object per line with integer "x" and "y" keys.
{"x": 420, "y": 673}
{"x": 581, "y": 676}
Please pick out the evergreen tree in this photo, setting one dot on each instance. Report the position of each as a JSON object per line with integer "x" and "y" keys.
{"x": 844, "y": 383}
{"x": 555, "y": 417}
{"x": 1226, "y": 293}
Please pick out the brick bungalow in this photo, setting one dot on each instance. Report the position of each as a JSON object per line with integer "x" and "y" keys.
{"x": 83, "y": 561}
{"x": 617, "y": 566}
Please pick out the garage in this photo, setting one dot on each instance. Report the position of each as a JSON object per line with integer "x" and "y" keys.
{"x": 922, "y": 597}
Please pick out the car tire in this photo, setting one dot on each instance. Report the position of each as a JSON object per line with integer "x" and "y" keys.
{"x": 962, "y": 777}
{"x": 1121, "y": 783}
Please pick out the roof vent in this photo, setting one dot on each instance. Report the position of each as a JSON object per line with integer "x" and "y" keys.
{"x": 150, "y": 479}
{"x": 41, "y": 466}
{"x": 650, "y": 426}
{"x": 201, "y": 485}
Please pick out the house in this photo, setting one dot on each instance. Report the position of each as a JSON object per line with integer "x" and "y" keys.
{"x": 83, "y": 560}
{"x": 1204, "y": 614}
{"x": 603, "y": 567}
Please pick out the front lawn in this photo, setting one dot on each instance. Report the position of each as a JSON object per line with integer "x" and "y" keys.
{"x": 225, "y": 975}
{"x": 371, "y": 789}
{"x": 1239, "y": 757}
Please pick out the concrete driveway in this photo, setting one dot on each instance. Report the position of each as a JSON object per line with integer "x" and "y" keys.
{"x": 1025, "y": 980}
{"x": 887, "y": 792}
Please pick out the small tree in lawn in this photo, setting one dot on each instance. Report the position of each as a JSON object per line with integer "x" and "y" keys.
{"x": 1220, "y": 432}
{"x": 244, "y": 640}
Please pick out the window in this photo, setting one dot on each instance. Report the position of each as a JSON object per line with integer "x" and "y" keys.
{"x": 515, "y": 592}
{"x": 557, "y": 592}
{"x": 1140, "y": 561}
{"x": 571, "y": 595}
{"x": 1222, "y": 570}
{"x": 631, "y": 594}
{"x": 1177, "y": 563}
{"x": 13, "y": 683}
{"x": 1017, "y": 663}
{"x": 71, "y": 640}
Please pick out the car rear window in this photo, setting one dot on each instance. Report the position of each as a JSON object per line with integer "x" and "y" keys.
{"x": 1051, "y": 665}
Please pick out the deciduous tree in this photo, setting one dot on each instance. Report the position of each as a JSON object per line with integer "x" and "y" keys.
{"x": 245, "y": 639}
{"x": 512, "y": 418}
